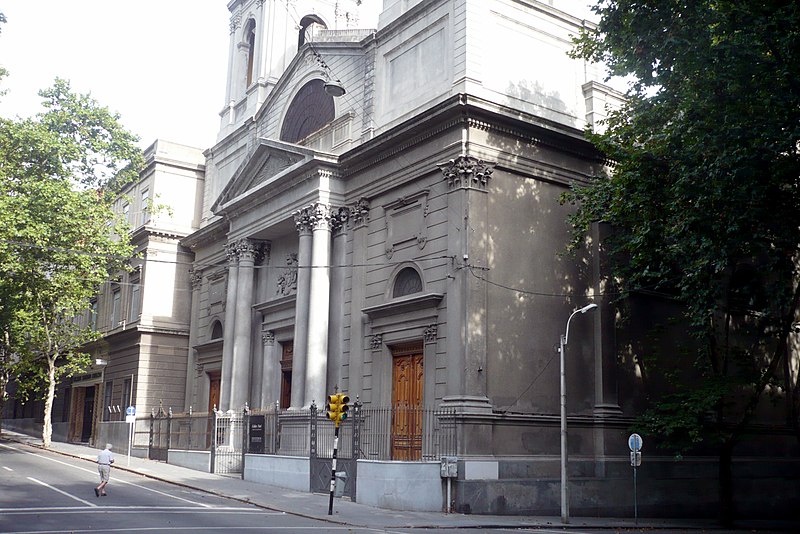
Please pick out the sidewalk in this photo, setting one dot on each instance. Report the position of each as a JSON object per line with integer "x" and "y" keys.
{"x": 315, "y": 506}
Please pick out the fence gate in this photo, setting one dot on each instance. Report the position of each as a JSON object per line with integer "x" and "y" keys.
{"x": 227, "y": 454}
{"x": 321, "y": 451}
{"x": 158, "y": 443}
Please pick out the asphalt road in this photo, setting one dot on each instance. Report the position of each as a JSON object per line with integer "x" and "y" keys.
{"x": 42, "y": 492}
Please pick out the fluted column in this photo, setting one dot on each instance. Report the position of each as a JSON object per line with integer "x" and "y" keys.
{"x": 228, "y": 330}
{"x": 317, "y": 356}
{"x": 302, "y": 219}
{"x": 240, "y": 385}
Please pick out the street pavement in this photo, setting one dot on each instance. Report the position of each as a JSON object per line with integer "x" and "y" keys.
{"x": 346, "y": 512}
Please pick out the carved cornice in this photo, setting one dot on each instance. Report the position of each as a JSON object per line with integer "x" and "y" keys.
{"x": 466, "y": 172}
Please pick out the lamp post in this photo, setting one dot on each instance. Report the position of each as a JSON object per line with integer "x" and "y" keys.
{"x": 563, "y": 343}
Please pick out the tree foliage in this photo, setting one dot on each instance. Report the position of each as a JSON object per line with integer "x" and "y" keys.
{"x": 703, "y": 196}
{"x": 59, "y": 238}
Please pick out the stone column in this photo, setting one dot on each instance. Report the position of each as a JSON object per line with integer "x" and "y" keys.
{"x": 605, "y": 353}
{"x": 302, "y": 219}
{"x": 319, "y": 306}
{"x": 467, "y": 215}
{"x": 359, "y": 217}
{"x": 271, "y": 370}
{"x": 337, "y": 311}
{"x": 196, "y": 279}
{"x": 240, "y": 385}
{"x": 228, "y": 328}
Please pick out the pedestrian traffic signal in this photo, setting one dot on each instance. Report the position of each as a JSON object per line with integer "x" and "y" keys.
{"x": 337, "y": 408}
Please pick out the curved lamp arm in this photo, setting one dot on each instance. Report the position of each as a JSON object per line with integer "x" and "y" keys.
{"x": 579, "y": 310}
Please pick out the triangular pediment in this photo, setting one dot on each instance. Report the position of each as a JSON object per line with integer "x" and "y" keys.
{"x": 268, "y": 161}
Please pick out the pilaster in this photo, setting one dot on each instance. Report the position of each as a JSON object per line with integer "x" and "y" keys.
{"x": 303, "y": 222}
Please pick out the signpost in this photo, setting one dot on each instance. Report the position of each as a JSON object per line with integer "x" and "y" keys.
{"x": 130, "y": 418}
{"x": 635, "y": 445}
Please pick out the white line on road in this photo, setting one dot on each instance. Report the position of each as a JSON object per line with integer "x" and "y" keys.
{"x": 62, "y": 492}
{"x": 138, "y": 509}
{"x": 260, "y": 528}
{"x": 115, "y": 479}
{"x": 7, "y": 468}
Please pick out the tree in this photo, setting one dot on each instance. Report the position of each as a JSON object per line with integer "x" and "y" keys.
{"x": 703, "y": 198}
{"x": 59, "y": 238}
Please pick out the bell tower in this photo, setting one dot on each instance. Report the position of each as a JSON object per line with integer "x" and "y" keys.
{"x": 265, "y": 36}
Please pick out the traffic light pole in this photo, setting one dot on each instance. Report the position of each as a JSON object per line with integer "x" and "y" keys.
{"x": 333, "y": 467}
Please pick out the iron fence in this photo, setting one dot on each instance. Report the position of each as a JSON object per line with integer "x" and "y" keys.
{"x": 408, "y": 433}
{"x": 401, "y": 432}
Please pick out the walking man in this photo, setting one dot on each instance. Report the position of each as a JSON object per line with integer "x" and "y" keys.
{"x": 104, "y": 461}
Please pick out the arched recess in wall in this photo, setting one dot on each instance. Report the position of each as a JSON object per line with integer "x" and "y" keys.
{"x": 407, "y": 282}
{"x": 309, "y": 25}
{"x": 311, "y": 109}
{"x": 249, "y": 40}
{"x": 216, "y": 330}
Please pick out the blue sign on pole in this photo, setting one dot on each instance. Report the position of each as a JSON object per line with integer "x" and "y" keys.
{"x": 130, "y": 410}
{"x": 635, "y": 442}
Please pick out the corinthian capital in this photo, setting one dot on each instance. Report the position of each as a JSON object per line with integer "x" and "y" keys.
{"x": 466, "y": 171}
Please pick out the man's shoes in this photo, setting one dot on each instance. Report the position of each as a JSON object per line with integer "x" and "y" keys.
{"x": 104, "y": 494}
{"x": 97, "y": 492}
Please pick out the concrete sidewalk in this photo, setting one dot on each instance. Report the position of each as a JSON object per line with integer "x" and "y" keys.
{"x": 315, "y": 506}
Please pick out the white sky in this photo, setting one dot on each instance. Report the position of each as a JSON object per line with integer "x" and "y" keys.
{"x": 160, "y": 64}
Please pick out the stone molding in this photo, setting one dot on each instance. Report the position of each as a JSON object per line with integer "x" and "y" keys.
{"x": 268, "y": 337}
{"x": 359, "y": 212}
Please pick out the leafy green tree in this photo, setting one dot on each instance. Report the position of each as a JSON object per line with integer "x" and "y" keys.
{"x": 703, "y": 197}
{"x": 59, "y": 238}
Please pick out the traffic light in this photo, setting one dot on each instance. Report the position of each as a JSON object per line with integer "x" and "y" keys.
{"x": 337, "y": 408}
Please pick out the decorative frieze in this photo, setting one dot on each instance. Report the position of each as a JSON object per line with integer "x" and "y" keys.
{"x": 287, "y": 282}
{"x": 466, "y": 172}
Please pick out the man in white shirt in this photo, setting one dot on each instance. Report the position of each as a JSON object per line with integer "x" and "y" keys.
{"x": 104, "y": 461}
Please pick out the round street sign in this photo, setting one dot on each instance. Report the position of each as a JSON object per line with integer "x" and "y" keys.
{"x": 635, "y": 442}
{"x": 130, "y": 410}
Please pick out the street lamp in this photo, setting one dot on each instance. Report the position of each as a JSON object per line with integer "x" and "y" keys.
{"x": 563, "y": 343}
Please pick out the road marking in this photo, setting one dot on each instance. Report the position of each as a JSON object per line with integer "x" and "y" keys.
{"x": 137, "y": 509}
{"x": 114, "y": 479}
{"x": 62, "y": 492}
{"x": 7, "y": 468}
{"x": 260, "y": 528}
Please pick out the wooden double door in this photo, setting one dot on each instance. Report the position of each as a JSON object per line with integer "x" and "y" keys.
{"x": 407, "y": 414}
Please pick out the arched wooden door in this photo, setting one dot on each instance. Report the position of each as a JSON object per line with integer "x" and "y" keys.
{"x": 407, "y": 386}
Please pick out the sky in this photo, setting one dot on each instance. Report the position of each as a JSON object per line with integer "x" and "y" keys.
{"x": 160, "y": 64}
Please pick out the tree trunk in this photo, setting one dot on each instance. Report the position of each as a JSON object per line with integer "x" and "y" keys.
{"x": 47, "y": 427}
{"x": 726, "y": 504}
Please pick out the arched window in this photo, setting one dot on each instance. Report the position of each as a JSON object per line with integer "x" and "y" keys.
{"x": 406, "y": 282}
{"x": 250, "y": 42}
{"x": 216, "y": 330}
{"x": 311, "y": 109}
{"x": 309, "y": 25}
